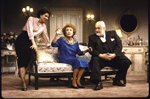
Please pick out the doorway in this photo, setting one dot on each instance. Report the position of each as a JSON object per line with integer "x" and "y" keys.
{"x": 62, "y": 16}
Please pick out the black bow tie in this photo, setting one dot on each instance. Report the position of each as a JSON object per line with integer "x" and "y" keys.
{"x": 101, "y": 36}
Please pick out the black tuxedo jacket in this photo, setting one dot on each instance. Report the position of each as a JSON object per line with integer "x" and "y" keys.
{"x": 114, "y": 44}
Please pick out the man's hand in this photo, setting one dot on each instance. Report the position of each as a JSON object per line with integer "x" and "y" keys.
{"x": 107, "y": 56}
{"x": 103, "y": 56}
{"x": 112, "y": 56}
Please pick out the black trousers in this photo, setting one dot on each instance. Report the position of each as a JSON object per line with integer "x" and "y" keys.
{"x": 97, "y": 64}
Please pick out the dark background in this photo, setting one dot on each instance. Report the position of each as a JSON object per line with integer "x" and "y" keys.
{"x": 109, "y": 11}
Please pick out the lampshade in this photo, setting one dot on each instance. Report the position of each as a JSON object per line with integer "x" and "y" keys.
{"x": 27, "y": 11}
{"x": 27, "y": 8}
{"x": 31, "y": 9}
{"x": 90, "y": 17}
{"x": 119, "y": 33}
{"x": 23, "y": 9}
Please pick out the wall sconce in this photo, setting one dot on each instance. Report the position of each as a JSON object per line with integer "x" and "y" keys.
{"x": 27, "y": 12}
{"x": 118, "y": 31}
{"x": 90, "y": 17}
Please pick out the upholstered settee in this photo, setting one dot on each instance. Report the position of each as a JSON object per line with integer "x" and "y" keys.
{"x": 47, "y": 65}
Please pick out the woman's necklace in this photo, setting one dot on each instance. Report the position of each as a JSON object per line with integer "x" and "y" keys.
{"x": 70, "y": 40}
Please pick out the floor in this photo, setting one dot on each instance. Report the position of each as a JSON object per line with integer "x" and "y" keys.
{"x": 136, "y": 86}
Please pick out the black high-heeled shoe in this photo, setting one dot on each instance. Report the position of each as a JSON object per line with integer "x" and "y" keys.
{"x": 24, "y": 89}
{"x": 75, "y": 87}
{"x": 81, "y": 86}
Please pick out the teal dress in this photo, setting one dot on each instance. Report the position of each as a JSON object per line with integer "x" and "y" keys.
{"x": 68, "y": 53}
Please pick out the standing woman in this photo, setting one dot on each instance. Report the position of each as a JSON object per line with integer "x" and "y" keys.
{"x": 69, "y": 47}
{"x": 25, "y": 44}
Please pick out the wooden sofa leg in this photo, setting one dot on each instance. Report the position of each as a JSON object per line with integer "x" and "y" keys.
{"x": 29, "y": 79}
{"x": 82, "y": 78}
{"x": 69, "y": 79}
{"x": 105, "y": 77}
{"x": 36, "y": 82}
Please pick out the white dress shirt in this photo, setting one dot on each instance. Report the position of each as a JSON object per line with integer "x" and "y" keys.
{"x": 103, "y": 39}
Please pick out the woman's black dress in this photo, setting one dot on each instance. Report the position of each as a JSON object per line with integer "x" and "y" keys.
{"x": 24, "y": 53}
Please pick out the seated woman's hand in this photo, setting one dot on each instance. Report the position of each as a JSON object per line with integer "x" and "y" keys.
{"x": 58, "y": 31}
{"x": 88, "y": 50}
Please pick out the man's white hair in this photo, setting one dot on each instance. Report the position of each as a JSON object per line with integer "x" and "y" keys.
{"x": 101, "y": 23}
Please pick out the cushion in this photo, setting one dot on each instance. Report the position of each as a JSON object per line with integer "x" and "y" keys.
{"x": 53, "y": 68}
{"x": 60, "y": 68}
{"x": 45, "y": 55}
{"x": 108, "y": 69}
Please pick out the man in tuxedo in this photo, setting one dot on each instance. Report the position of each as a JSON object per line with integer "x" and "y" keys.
{"x": 107, "y": 51}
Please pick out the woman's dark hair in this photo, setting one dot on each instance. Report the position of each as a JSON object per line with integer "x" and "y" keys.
{"x": 43, "y": 11}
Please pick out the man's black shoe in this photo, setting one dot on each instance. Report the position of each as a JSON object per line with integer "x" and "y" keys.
{"x": 118, "y": 83}
{"x": 124, "y": 81}
{"x": 98, "y": 86}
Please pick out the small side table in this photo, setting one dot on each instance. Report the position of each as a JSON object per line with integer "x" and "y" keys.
{"x": 4, "y": 53}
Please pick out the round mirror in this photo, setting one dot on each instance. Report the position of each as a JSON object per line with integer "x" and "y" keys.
{"x": 128, "y": 23}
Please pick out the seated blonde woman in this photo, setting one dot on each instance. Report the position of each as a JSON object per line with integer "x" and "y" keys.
{"x": 69, "y": 47}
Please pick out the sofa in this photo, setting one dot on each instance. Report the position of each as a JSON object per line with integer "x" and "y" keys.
{"x": 47, "y": 65}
